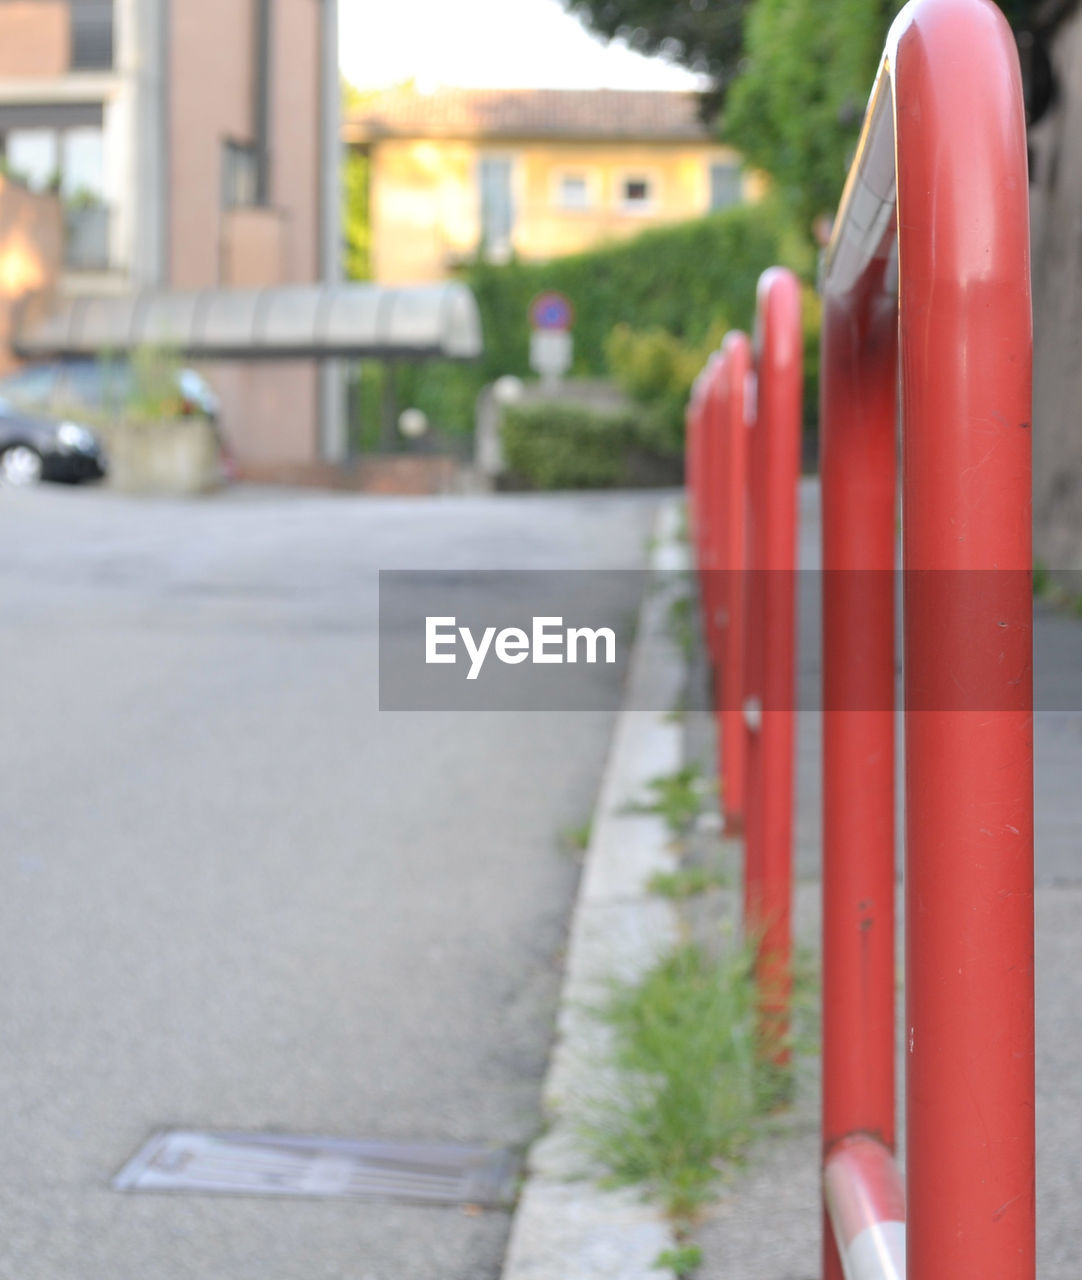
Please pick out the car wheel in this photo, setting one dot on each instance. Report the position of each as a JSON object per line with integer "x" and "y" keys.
{"x": 20, "y": 466}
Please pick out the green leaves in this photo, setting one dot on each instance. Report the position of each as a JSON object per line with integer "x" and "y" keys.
{"x": 796, "y": 108}
{"x": 566, "y": 446}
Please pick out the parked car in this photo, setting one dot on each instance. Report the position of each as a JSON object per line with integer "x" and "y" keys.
{"x": 34, "y": 448}
{"x": 100, "y": 386}
{"x": 39, "y": 440}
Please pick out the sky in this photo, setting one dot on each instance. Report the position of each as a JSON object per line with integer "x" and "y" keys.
{"x": 496, "y": 44}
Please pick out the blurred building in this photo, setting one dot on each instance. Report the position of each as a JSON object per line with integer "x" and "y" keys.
{"x": 186, "y": 143}
{"x": 531, "y": 172}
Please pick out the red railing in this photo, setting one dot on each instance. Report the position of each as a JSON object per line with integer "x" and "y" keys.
{"x": 925, "y": 289}
{"x": 928, "y": 269}
{"x": 743, "y": 461}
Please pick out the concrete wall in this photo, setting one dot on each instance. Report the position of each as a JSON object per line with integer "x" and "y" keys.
{"x": 31, "y": 250}
{"x": 268, "y": 412}
{"x": 425, "y": 203}
{"x": 1056, "y": 203}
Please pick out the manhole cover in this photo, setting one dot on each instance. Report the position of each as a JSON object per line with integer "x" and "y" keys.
{"x": 283, "y": 1165}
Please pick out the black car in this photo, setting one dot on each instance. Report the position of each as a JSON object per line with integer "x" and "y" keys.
{"x": 38, "y": 438}
{"x": 57, "y": 386}
{"x": 34, "y": 448}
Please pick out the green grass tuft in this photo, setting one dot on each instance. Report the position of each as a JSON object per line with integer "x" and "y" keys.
{"x": 685, "y": 1041}
{"x": 687, "y": 882}
{"x": 683, "y": 1259}
{"x": 577, "y": 839}
{"x": 681, "y": 626}
{"x": 677, "y": 797}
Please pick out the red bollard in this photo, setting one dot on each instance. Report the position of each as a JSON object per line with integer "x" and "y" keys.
{"x": 943, "y": 159}
{"x": 732, "y": 473}
{"x": 768, "y": 709}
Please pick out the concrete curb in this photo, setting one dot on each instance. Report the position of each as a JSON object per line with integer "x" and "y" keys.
{"x": 566, "y": 1227}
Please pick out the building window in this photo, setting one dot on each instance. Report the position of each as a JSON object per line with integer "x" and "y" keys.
{"x": 70, "y": 161}
{"x": 573, "y": 191}
{"x": 91, "y": 35}
{"x": 240, "y": 175}
{"x": 497, "y": 208}
{"x": 32, "y": 156}
{"x": 726, "y": 185}
{"x": 636, "y": 194}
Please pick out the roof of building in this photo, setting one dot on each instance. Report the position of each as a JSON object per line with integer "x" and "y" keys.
{"x": 641, "y": 115}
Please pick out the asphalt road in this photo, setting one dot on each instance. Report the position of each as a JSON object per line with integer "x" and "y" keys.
{"x": 236, "y": 895}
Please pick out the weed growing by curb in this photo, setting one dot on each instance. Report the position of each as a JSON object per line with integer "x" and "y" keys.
{"x": 1046, "y": 588}
{"x": 687, "y": 882}
{"x": 576, "y": 839}
{"x": 677, "y": 797}
{"x": 692, "y": 1080}
{"x": 683, "y": 1260}
{"x": 680, "y": 624}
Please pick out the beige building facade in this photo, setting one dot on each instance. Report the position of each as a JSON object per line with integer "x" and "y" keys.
{"x": 185, "y": 142}
{"x": 532, "y": 173}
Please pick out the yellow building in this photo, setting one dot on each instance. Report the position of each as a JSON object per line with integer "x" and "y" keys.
{"x": 536, "y": 173}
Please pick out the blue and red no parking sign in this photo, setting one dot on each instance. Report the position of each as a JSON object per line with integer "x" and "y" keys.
{"x": 552, "y": 311}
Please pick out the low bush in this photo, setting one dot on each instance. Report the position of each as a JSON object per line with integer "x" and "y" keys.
{"x": 569, "y": 446}
{"x": 656, "y": 369}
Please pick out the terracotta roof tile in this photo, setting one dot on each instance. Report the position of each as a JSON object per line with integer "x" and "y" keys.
{"x": 528, "y": 113}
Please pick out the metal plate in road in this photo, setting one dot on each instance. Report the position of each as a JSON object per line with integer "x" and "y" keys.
{"x": 253, "y": 1164}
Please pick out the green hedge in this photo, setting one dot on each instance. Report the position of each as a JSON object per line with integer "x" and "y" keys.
{"x": 691, "y": 280}
{"x": 570, "y": 446}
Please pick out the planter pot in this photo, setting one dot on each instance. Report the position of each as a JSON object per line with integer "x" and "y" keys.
{"x": 174, "y": 457}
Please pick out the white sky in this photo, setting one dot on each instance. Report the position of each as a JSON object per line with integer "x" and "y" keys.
{"x": 496, "y": 44}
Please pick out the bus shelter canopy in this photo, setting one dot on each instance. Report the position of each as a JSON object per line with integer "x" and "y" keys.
{"x": 414, "y": 322}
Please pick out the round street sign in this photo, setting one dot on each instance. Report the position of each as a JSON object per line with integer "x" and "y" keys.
{"x": 551, "y": 310}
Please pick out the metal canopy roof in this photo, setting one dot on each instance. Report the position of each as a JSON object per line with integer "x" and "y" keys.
{"x": 300, "y": 321}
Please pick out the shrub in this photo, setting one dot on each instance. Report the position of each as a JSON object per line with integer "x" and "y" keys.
{"x": 657, "y": 369}
{"x": 568, "y": 446}
{"x": 688, "y": 281}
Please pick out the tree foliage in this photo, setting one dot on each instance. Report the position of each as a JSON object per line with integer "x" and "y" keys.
{"x": 796, "y": 108}
{"x": 356, "y": 221}
{"x": 794, "y": 75}
{"x": 705, "y": 35}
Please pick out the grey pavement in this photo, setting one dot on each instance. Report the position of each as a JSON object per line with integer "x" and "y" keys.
{"x": 236, "y": 895}
{"x": 766, "y": 1223}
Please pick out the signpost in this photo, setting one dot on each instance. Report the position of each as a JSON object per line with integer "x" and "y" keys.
{"x": 551, "y": 348}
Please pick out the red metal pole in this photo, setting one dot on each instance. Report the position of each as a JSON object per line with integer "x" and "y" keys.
{"x": 770, "y": 630}
{"x": 736, "y": 355}
{"x": 857, "y": 445}
{"x": 966, "y": 353}
{"x": 695, "y": 465}
{"x": 714, "y": 485}
{"x": 943, "y": 159}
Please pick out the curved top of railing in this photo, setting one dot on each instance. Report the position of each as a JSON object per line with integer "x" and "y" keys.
{"x": 945, "y": 117}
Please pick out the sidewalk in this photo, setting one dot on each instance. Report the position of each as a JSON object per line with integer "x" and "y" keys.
{"x": 765, "y": 1223}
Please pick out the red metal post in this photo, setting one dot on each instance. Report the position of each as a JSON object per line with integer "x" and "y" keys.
{"x": 768, "y": 709}
{"x": 966, "y": 353}
{"x": 699, "y": 514}
{"x": 715, "y": 485}
{"x": 857, "y": 443}
{"x": 731, "y": 561}
{"x": 943, "y": 159}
